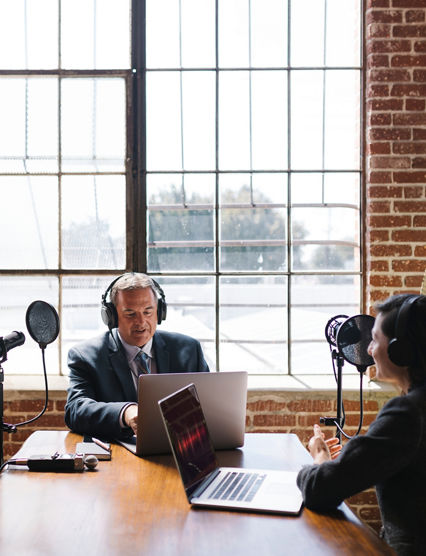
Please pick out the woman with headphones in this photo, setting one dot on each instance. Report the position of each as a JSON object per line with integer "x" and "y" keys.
{"x": 392, "y": 454}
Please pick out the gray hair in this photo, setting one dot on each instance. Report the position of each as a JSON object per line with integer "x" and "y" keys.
{"x": 133, "y": 281}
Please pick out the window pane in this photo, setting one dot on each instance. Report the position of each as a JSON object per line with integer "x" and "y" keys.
{"x": 163, "y": 121}
{"x": 29, "y": 125}
{"x": 190, "y": 310}
{"x": 22, "y": 23}
{"x": 269, "y": 120}
{"x": 343, "y": 33}
{"x": 81, "y": 310}
{"x": 30, "y": 241}
{"x": 306, "y": 119}
{"x": 307, "y": 33}
{"x": 253, "y": 324}
{"x": 93, "y": 137}
{"x": 233, "y": 33}
{"x": 93, "y": 221}
{"x": 181, "y": 222}
{"x": 103, "y": 29}
{"x": 234, "y": 121}
{"x": 16, "y": 295}
{"x": 316, "y": 299}
{"x": 162, "y": 34}
{"x": 315, "y": 188}
{"x": 252, "y": 229}
{"x": 268, "y": 33}
{"x": 327, "y": 238}
{"x": 342, "y": 120}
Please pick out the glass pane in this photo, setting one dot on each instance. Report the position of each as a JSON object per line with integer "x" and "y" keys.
{"x": 198, "y": 33}
{"x": 316, "y": 188}
{"x": 315, "y": 300}
{"x": 326, "y": 238}
{"x": 252, "y": 229}
{"x": 29, "y": 222}
{"x": 233, "y": 33}
{"x": 307, "y": 33}
{"x": 93, "y": 221}
{"x": 181, "y": 222}
{"x": 342, "y": 118}
{"x": 16, "y": 295}
{"x": 103, "y": 28}
{"x": 269, "y": 120}
{"x": 163, "y": 121}
{"x": 190, "y": 310}
{"x": 234, "y": 121}
{"x": 343, "y": 33}
{"x": 29, "y": 125}
{"x": 268, "y": 33}
{"x": 253, "y": 324}
{"x": 81, "y": 310}
{"x": 306, "y": 119}
{"x": 22, "y": 23}
{"x": 198, "y": 119}
{"x": 162, "y": 34}
{"x": 93, "y": 137}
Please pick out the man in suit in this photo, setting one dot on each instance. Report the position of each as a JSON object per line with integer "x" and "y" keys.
{"x": 104, "y": 371}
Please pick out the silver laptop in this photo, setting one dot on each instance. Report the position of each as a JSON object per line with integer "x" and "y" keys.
{"x": 207, "y": 484}
{"x": 224, "y": 399}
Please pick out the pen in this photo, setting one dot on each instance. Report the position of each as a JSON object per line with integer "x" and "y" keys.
{"x": 101, "y": 444}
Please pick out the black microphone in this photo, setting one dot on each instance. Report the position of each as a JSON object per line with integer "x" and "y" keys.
{"x": 12, "y": 340}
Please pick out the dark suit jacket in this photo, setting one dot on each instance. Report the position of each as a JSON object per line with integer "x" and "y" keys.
{"x": 391, "y": 456}
{"x": 101, "y": 383}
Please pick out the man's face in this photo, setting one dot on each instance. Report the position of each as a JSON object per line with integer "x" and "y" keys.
{"x": 137, "y": 315}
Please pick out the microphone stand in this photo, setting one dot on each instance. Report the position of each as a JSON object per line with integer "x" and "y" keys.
{"x": 338, "y": 420}
{"x": 4, "y": 427}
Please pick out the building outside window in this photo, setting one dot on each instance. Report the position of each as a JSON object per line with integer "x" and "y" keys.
{"x": 214, "y": 145}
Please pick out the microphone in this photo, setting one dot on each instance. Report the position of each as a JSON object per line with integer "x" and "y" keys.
{"x": 12, "y": 340}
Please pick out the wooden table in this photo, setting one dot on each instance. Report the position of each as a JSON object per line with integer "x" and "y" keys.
{"x": 133, "y": 506}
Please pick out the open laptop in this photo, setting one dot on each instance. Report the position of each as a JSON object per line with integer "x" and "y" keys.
{"x": 224, "y": 399}
{"x": 207, "y": 484}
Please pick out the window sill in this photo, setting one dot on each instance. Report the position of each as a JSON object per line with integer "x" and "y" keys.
{"x": 15, "y": 385}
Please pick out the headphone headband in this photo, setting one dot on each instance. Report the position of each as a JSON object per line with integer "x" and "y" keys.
{"x": 400, "y": 351}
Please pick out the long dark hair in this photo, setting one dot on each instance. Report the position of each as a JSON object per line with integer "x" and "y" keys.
{"x": 414, "y": 333}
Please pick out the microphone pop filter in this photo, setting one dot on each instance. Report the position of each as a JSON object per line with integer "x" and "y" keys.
{"x": 353, "y": 339}
{"x": 42, "y": 322}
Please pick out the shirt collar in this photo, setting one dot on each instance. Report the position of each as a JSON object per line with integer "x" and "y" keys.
{"x": 132, "y": 351}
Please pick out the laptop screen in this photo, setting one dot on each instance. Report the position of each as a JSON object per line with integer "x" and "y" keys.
{"x": 189, "y": 436}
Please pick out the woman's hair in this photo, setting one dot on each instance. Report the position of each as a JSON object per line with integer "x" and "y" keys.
{"x": 414, "y": 330}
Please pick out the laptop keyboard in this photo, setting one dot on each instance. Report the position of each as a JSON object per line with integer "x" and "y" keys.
{"x": 238, "y": 486}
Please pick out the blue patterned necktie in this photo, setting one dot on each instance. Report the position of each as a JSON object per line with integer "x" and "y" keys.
{"x": 141, "y": 361}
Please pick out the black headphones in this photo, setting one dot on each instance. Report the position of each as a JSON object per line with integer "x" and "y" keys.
{"x": 109, "y": 312}
{"x": 400, "y": 350}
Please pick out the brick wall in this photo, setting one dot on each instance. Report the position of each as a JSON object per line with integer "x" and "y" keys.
{"x": 395, "y": 49}
{"x": 278, "y": 411}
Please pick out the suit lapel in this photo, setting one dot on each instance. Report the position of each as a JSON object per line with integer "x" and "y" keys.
{"x": 161, "y": 353}
{"x": 121, "y": 368}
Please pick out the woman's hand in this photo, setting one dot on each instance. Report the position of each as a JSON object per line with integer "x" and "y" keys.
{"x": 323, "y": 450}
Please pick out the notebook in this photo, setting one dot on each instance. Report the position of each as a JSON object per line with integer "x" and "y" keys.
{"x": 208, "y": 485}
{"x": 224, "y": 399}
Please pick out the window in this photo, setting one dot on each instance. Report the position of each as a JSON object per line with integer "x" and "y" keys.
{"x": 217, "y": 149}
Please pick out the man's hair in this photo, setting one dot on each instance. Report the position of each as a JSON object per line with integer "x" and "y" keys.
{"x": 133, "y": 281}
{"x": 414, "y": 332}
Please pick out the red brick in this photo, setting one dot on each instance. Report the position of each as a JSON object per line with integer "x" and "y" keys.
{"x": 389, "y": 46}
{"x": 384, "y": 16}
{"x": 380, "y": 177}
{"x": 274, "y": 420}
{"x": 413, "y": 282}
{"x": 414, "y": 16}
{"x": 394, "y": 134}
{"x": 409, "y": 119}
{"x": 377, "y": 207}
{"x": 419, "y": 162}
{"x": 407, "y": 148}
{"x": 419, "y": 46}
{"x": 378, "y": 61}
{"x": 409, "y": 236}
{"x": 377, "y": 90}
{"x": 390, "y": 162}
{"x": 381, "y": 148}
{"x": 413, "y": 192}
{"x": 378, "y": 236}
{"x": 419, "y": 134}
{"x": 378, "y": 31}
{"x": 410, "y": 206}
{"x": 369, "y": 405}
{"x": 385, "y": 281}
{"x": 408, "y": 265}
{"x": 415, "y": 104}
{"x": 419, "y": 76}
{"x": 380, "y": 119}
{"x": 420, "y": 251}
{"x": 379, "y": 266}
{"x": 390, "y": 251}
{"x": 419, "y": 221}
{"x": 390, "y": 75}
{"x": 399, "y": 31}
{"x": 409, "y": 177}
{"x": 383, "y": 192}
{"x": 390, "y": 221}
{"x": 408, "y": 90}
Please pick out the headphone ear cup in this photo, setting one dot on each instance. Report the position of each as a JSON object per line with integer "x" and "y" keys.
{"x": 161, "y": 310}
{"x": 399, "y": 352}
{"x": 109, "y": 315}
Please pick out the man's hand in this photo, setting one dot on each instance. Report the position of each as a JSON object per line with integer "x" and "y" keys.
{"x": 130, "y": 417}
{"x": 323, "y": 450}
